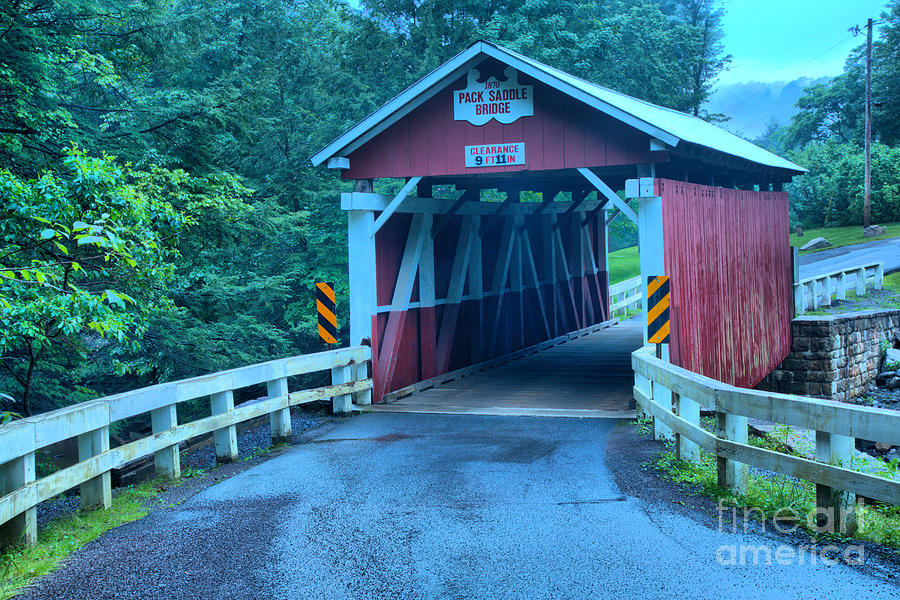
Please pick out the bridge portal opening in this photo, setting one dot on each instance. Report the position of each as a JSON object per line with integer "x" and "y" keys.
{"x": 478, "y": 230}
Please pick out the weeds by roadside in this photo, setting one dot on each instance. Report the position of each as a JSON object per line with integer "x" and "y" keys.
{"x": 773, "y": 495}
{"x": 21, "y": 566}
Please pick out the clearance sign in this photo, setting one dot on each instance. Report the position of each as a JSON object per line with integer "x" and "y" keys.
{"x": 504, "y": 101}
{"x": 495, "y": 155}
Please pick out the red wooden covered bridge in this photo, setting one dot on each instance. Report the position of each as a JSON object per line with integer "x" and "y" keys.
{"x": 496, "y": 242}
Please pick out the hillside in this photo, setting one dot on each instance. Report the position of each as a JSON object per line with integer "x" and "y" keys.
{"x": 753, "y": 104}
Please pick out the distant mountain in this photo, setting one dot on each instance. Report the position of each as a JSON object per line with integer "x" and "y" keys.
{"x": 753, "y": 104}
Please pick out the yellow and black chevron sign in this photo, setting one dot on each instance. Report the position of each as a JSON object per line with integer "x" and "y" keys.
{"x": 658, "y": 309}
{"x": 327, "y": 318}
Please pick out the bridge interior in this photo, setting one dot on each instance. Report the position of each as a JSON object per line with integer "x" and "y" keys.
{"x": 586, "y": 377}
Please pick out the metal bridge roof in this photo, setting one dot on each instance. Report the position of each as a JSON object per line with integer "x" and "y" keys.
{"x": 667, "y": 125}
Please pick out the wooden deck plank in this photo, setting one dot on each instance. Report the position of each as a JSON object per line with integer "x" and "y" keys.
{"x": 587, "y": 377}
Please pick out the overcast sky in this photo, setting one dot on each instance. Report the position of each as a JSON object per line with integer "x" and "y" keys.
{"x": 774, "y": 40}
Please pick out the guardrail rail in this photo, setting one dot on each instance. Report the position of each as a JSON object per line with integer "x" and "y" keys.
{"x": 625, "y": 296}
{"x": 812, "y": 292}
{"x": 673, "y": 396}
{"x": 89, "y": 422}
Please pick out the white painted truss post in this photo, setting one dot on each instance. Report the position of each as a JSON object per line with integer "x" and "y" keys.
{"x": 427, "y": 317}
{"x": 363, "y": 300}
{"x": 476, "y": 289}
{"x": 393, "y": 206}
{"x": 550, "y": 278}
{"x": 652, "y": 256}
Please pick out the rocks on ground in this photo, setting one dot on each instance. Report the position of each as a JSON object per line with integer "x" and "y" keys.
{"x": 815, "y": 244}
{"x": 874, "y": 230}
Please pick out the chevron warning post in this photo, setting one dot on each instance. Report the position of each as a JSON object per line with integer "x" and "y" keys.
{"x": 658, "y": 309}
{"x": 326, "y": 308}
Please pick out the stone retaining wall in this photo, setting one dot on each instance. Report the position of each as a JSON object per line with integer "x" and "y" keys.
{"x": 834, "y": 356}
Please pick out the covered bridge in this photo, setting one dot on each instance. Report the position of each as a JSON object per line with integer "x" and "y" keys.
{"x": 497, "y": 240}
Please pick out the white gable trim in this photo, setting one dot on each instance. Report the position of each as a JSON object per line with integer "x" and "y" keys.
{"x": 436, "y": 81}
{"x": 402, "y": 104}
{"x": 581, "y": 95}
{"x": 433, "y": 83}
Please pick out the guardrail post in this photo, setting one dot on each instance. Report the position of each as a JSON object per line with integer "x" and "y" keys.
{"x": 689, "y": 410}
{"x": 341, "y": 405}
{"x": 835, "y": 508}
{"x": 879, "y": 276}
{"x": 361, "y": 372}
{"x": 663, "y": 397}
{"x": 814, "y": 294}
{"x": 96, "y": 492}
{"x": 225, "y": 438}
{"x": 861, "y": 282}
{"x": 643, "y": 384}
{"x": 799, "y": 299}
{"x": 827, "y": 290}
{"x": 21, "y": 529}
{"x": 279, "y": 420}
{"x": 732, "y": 475}
{"x": 842, "y": 286}
{"x": 167, "y": 461}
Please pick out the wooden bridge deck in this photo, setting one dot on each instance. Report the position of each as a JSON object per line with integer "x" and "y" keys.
{"x": 587, "y": 377}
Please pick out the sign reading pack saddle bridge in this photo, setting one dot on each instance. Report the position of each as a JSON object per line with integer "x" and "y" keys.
{"x": 505, "y": 101}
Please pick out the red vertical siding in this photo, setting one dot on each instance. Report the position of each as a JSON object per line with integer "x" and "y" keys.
{"x": 727, "y": 254}
{"x": 563, "y": 133}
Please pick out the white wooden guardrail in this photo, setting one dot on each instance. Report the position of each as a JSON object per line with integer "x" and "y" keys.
{"x": 673, "y": 397}
{"x": 625, "y": 296}
{"x": 813, "y": 292}
{"x": 89, "y": 422}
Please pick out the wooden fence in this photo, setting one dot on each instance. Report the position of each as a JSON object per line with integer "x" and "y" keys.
{"x": 625, "y": 296}
{"x": 674, "y": 396}
{"x": 89, "y": 422}
{"x": 813, "y": 292}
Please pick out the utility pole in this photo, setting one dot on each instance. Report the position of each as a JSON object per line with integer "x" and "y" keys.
{"x": 868, "y": 176}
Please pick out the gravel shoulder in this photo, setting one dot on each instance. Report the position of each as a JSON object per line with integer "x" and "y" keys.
{"x": 199, "y": 463}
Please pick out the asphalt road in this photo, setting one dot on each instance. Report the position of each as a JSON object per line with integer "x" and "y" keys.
{"x": 431, "y": 506}
{"x": 886, "y": 251}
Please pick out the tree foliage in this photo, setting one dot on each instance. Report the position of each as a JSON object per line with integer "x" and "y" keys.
{"x": 86, "y": 254}
{"x": 213, "y": 108}
{"x": 827, "y": 136}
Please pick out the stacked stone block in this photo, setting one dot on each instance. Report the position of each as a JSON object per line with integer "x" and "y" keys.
{"x": 834, "y": 356}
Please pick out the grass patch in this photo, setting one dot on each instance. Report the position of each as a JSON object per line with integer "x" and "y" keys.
{"x": 774, "y": 495}
{"x": 842, "y": 236}
{"x": 22, "y": 566}
{"x": 624, "y": 264}
{"x": 892, "y": 282}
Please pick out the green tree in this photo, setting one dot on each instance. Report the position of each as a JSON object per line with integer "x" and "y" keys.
{"x": 86, "y": 256}
{"x": 707, "y": 59}
{"x": 835, "y": 180}
{"x": 837, "y": 110}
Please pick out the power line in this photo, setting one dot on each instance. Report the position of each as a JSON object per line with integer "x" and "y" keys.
{"x": 746, "y": 99}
